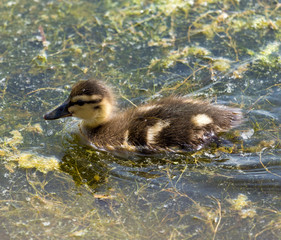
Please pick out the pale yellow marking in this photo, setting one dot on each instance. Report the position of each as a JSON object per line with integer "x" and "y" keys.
{"x": 201, "y": 120}
{"x": 126, "y": 136}
{"x": 147, "y": 108}
{"x": 86, "y": 98}
{"x": 125, "y": 144}
{"x": 153, "y": 131}
{"x": 109, "y": 147}
{"x": 93, "y": 117}
{"x": 195, "y": 101}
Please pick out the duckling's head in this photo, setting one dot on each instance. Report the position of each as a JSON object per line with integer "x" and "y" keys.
{"x": 89, "y": 100}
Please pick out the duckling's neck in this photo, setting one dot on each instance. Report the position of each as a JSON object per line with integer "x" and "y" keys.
{"x": 88, "y": 124}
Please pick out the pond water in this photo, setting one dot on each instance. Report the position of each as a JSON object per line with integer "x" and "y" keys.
{"x": 52, "y": 187}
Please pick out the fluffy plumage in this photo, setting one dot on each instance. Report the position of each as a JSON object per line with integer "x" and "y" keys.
{"x": 166, "y": 124}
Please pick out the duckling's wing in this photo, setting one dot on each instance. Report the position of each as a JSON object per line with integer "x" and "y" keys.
{"x": 179, "y": 122}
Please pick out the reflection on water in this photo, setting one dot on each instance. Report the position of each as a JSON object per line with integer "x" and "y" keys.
{"x": 144, "y": 50}
{"x": 207, "y": 174}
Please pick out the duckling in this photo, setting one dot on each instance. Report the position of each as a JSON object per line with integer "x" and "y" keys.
{"x": 163, "y": 125}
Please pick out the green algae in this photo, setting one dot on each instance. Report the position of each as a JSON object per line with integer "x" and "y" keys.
{"x": 31, "y": 160}
{"x": 9, "y": 151}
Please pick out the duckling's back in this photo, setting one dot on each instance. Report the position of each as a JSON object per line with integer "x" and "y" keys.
{"x": 166, "y": 124}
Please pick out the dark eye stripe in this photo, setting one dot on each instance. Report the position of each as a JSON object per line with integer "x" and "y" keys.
{"x": 81, "y": 102}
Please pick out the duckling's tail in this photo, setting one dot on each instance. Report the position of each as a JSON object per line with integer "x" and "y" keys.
{"x": 236, "y": 118}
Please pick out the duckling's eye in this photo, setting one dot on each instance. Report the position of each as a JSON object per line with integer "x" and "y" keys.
{"x": 80, "y": 102}
{"x": 97, "y": 107}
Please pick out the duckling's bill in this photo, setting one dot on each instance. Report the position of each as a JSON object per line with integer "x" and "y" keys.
{"x": 59, "y": 112}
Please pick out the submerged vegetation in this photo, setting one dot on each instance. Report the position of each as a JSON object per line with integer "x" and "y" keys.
{"x": 53, "y": 188}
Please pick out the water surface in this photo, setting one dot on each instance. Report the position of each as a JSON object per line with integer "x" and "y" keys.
{"x": 52, "y": 187}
